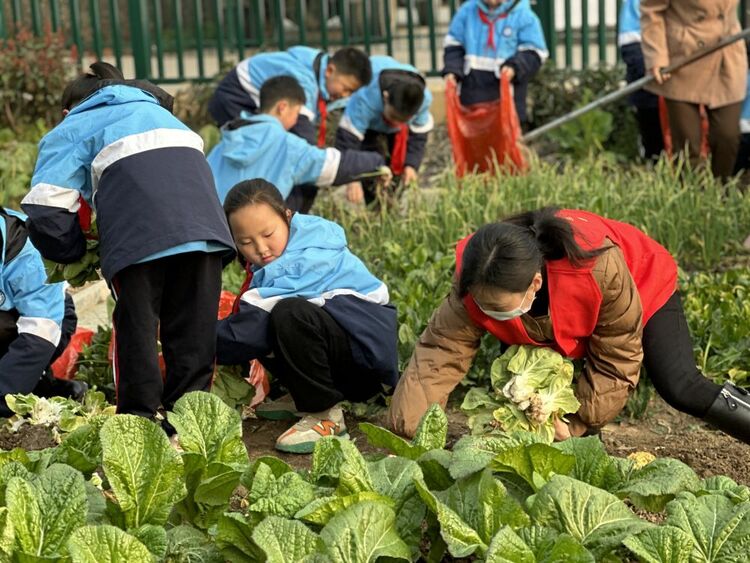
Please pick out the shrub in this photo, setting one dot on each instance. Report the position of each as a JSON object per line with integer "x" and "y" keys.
{"x": 33, "y": 73}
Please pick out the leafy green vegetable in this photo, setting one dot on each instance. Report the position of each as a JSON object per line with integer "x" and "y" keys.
{"x": 530, "y": 385}
{"x": 431, "y": 434}
{"x": 234, "y": 537}
{"x": 106, "y": 544}
{"x": 279, "y": 496}
{"x": 231, "y": 386}
{"x": 471, "y": 512}
{"x": 210, "y": 434}
{"x": 361, "y": 534}
{"x": 535, "y": 464}
{"x": 652, "y": 486}
{"x": 536, "y": 545}
{"x": 144, "y": 471}
{"x": 665, "y": 544}
{"x": 720, "y": 530}
{"x": 596, "y": 518}
{"x": 285, "y": 541}
{"x": 44, "y": 511}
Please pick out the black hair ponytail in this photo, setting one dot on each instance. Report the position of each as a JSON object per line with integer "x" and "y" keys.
{"x": 507, "y": 254}
{"x": 251, "y": 192}
{"x": 82, "y": 87}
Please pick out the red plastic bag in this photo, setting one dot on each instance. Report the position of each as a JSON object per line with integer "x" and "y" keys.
{"x": 226, "y": 303}
{"x": 484, "y": 134}
{"x": 667, "y": 133}
{"x": 64, "y": 367}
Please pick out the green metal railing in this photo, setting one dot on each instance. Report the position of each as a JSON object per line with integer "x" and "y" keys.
{"x": 177, "y": 40}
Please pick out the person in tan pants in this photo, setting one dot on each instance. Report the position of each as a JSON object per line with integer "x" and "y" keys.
{"x": 673, "y": 29}
{"x": 585, "y": 286}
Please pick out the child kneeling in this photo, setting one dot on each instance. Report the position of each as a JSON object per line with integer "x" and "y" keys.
{"x": 310, "y": 311}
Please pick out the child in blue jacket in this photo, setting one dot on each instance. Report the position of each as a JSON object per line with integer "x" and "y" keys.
{"x": 312, "y": 313}
{"x": 490, "y": 37}
{"x": 261, "y": 146}
{"x": 37, "y": 319}
{"x": 394, "y": 105}
{"x": 324, "y": 79}
{"x": 645, "y": 103}
{"x": 162, "y": 231}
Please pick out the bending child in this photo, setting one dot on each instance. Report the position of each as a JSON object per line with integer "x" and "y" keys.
{"x": 261, "y": 146}
{"x": 312, "y": 313}
{"x": 395, "y": 105}
{"x": 37, "y": 319}
{"x": 162, "y": 232}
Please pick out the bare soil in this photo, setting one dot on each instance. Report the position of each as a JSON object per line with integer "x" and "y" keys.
{"x": 663, "y": 432}
{"x": 28, "y": 437}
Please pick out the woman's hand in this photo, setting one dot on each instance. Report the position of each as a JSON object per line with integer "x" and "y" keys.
{"x": 659, "y": 76}
{"x": 562, "y": 431}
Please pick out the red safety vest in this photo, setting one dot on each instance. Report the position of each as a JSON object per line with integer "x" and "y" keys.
{"x": 574, "y": 295}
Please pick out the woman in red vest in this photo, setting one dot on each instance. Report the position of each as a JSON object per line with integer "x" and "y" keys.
{"x": 586, "y": 286}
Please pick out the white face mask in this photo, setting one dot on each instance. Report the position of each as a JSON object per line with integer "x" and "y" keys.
{"x": 508, "y": 315}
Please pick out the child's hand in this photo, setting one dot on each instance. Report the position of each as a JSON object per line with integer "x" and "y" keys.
{"x": 450, "y": 78}
{"x": 409, "y": 176}
{"x": 508, "y": 71}
{"x": 355, "y": 193}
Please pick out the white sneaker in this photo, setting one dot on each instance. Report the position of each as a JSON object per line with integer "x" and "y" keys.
{"x": 302, "y": 437}
{"x": 282, "y": 408}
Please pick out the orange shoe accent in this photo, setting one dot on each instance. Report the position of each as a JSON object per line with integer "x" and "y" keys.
{"x": 326, "y": 428}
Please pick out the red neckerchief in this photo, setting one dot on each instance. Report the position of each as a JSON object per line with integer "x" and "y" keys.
{"x": 243, "y": 289}
{"x": 398, "y": 153}
{"x": 323, "y": 110}
{"x": 491, "y": 25}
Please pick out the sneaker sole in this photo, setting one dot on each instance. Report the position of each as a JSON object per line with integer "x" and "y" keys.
{"x": 304, "y": 447}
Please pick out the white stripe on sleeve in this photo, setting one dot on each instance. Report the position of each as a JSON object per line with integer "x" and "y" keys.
{"x": 53, "y": 196}
{"x": 47, "y": 329}
{"x": 330, "y": 168}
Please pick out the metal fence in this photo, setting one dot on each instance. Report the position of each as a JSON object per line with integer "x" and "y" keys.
{"x": 171, "y": 41}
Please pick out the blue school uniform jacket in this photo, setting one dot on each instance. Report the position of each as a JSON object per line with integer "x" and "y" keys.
{"x": 517, "y": 41}
{"x": 240, "y": 89}
{"x": 364, "y": 111}
{"x": 38, "y": 307}
{"x": 141, "y": 170}
{"x": 629, "y": 23}
{"x": 745, "y": 115}
{"x": 629, "y": 42}
{"x": 318, "y": 266}
{"x": 258, "y": 146}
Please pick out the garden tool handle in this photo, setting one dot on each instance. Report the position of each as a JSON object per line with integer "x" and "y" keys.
{"x": 634, "y": 86}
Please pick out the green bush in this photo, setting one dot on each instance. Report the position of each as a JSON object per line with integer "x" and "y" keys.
{"x": 19, "y": 150}
{"x": 33, "y": 73}
{"x": 554, "y": 92}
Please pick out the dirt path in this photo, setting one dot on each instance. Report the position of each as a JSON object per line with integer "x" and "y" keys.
{"x": 663, "y": 432}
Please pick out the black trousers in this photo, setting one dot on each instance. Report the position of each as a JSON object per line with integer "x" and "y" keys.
{"x": 649, "y": 128}
{"x": 670, "y": 363}
{"x": 174, "y": 299}
{"x": 313, "y": 358}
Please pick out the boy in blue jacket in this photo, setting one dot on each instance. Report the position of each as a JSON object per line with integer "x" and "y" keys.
{"x": 394, "y": 105}
{"x": 645, "y": 103}
{"x": 162, "y": 231}
{"x": 261, "y": 146}
{"x": 324, "y": 79}
{"x": 490, "y": 37}
{"x": 36, "y": 319}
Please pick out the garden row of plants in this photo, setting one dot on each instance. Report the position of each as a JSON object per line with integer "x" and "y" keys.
{"x": 114, "y": 489}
